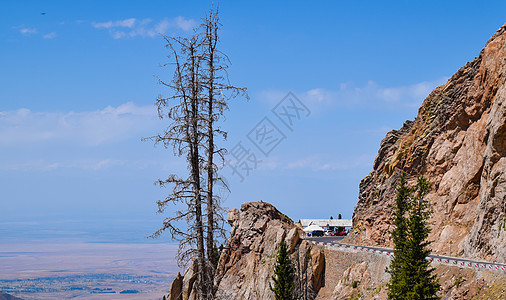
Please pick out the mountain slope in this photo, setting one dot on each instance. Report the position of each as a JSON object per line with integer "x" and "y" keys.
{"x": 458, "y": 141}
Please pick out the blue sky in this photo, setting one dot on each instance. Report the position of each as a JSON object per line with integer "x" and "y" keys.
{"x": 77, "y": 89}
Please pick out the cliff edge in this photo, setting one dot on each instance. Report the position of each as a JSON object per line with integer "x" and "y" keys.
{"x": 323, "y": 272}
{"x": 458, "y": 142}
{"x": 247, "y": 261}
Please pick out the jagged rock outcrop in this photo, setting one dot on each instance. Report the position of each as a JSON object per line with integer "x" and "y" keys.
{"x": 457, "y": 141}
{"x": 182, "y": 286}
{"x": 176, "y": 289}
{"x": 247, "y": 261}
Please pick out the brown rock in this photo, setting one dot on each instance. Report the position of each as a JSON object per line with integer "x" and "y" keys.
{"x": 318, "y": 264}
{"x": 188, "y": 280}
{"x": 353, "y": 280}
{"x": 247, "y": 263}
{"x": 175, "y": 291}
{"x": 458, "y": 142}
{"x": 233, "y": 215}
{"x": 292, "y": 239}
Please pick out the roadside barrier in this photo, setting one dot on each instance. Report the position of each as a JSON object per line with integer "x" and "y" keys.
{"x": 453, "y": 261}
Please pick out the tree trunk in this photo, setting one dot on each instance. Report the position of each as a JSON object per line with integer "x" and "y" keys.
{"x": 195, "y": 169}
{"x": 210, "y": 157}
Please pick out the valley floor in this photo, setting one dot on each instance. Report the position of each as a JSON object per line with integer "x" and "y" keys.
{"x": 87, "y": 270}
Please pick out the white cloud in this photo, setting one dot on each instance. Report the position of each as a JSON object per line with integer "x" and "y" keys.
{"x": 319, "y": 95}
{"x": 162, "y": 26}
{"x": 348, "y": 95}
{"x": 31, "y": 31}
{"x": 91, "y": 128}
{"x": 88, "y": 140}
{"x": 85, "y": 162}
{"x": 27, "y": 30}
{"x": 415, "y": 91}
{"x": 43, "y": 165}
{"x": 118, "y": 34}
{"x": 324, "y": 163}
{"x": 143, "y": 28}
{"x": 185, "y": 24}
{"x": 316, "y": 163}
{"x": 30, "y": 165}
{"x": 372, "y": 93}
{"x": 129, "y": 23}
{"x": 50, "y": 35}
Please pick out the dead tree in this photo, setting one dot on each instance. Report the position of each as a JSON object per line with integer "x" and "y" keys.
{"x": 184, "y": 136}
{"x": 200, "y": 90}
{"x": 218, "y": 92}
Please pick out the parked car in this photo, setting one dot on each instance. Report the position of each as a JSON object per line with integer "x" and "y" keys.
{"x": 340, "y": 233}
{"x": 317, "y": 233}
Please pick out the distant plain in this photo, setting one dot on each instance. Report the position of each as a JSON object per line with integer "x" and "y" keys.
{"x": 52, "y": 270}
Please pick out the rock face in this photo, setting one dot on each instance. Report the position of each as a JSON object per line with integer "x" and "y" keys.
{"x": 247, "y": 262}
{"x": 182, "y": 286}
{"x": 354, "y": 278}
{"x": 458, "y": 142}
{"x": 363, "y": 276}
{"x": 176, "y": 288}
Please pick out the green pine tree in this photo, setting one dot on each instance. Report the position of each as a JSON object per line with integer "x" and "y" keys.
{"x": 397, "y": 284}
{"x": 423, "y": 281}
{"x": 284, "y": 275}
{"x": 411, "y": 274}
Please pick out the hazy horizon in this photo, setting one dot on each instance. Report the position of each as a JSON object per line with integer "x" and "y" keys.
{"x": 77, "y": 93}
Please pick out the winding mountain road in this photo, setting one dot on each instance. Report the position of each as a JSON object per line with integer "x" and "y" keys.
{"x": 335, "y": 243}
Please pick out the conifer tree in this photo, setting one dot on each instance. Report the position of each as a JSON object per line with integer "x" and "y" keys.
{"x": 397, "y": 284}
{"x": 411, "y": 275}
{"x": 423, "y": 283}
{"x": 284, "y": 275}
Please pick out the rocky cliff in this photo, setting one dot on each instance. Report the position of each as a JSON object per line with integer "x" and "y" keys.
{"x": 246, "y": 266}
{"x": 457, "y": 141}
{"x": 247, "y": 262}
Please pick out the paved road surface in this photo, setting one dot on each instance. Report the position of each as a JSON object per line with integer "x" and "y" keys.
{"x": 326, "y": 239}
